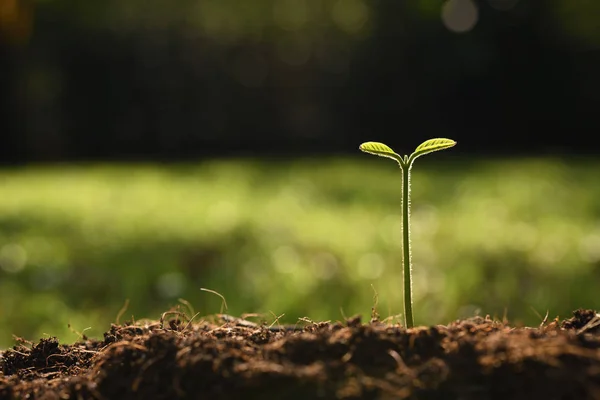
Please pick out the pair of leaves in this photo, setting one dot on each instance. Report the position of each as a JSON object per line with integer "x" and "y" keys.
{"x": 428, "y": 146}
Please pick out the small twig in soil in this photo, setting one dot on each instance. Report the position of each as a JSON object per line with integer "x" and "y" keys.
{"x": 250, "y": 315}
{"x": 135, "y": 328}
{"x": 76, "y": 350}
{"x": 162, "y": 317}
{"x": 249, "y": 324}
{"x": 22, "y": 341}
{"x": 391, "y": 318}
{"x": 545, "y": 319}
{"x": 190, "y": 321}
{"x": 374, "y": 313}
{"x": 188, "y": 305}
{"x": 19, "y": 353}
{"x": 402, "y": 367}
{"x": 122, "y": 311}
{"x": 81, "y": 335}
{"x": 276, "y": 320}
{"x": 223, "y": 304}
{"x": 306, "y": 319}
{"x": 594, "y": 322}
{"x": 343, "y": 314}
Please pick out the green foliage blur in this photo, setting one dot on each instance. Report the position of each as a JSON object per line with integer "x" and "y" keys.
{"x": 306, "y": 238}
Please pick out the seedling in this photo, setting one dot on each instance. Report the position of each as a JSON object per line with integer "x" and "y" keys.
{"x": 405, "y": 163}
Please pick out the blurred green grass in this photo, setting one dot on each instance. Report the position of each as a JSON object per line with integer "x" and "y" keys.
{"x": 308, "y": 238}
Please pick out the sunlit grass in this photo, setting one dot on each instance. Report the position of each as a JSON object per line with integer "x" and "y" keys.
{"x": 304, "y": 238}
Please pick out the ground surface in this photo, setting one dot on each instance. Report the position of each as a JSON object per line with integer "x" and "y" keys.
{"x": 230, "y": 358}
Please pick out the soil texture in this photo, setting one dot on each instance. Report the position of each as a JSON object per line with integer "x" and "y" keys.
{"x": 231, "y": 358}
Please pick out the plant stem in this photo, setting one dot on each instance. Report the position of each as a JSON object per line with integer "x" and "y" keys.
{"x": 408, "y": 314}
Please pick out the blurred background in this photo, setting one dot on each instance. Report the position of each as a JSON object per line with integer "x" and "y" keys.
{"x": 151, "y": 148}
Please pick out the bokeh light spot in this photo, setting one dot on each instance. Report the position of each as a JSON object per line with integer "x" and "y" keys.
{"x": 589, "y": 248}
{"x": 171, "y": 284}
{"x": 286, "y": 259}
{"x": 13, "y": 258}
{"x": 325, "y": 265}
{"x": 460, "y": 15}
{"x": 290, "y": 15}
{"x": 371, "y": 266}
{"x": 350, "y": 15}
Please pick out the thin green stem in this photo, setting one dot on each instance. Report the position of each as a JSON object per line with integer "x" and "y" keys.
{"x": 408, "y": 313}
{"x": 405, "y": 163}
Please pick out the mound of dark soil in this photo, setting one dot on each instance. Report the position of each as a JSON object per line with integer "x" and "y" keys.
{"x": 477, "y": 358}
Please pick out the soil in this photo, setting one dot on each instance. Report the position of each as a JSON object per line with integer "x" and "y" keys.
{"x": 231, "y": 358}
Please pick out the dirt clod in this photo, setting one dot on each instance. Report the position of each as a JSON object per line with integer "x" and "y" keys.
{"x": 477, "y": 358}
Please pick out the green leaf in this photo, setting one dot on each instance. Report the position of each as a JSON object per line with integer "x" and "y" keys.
{"x": 432, "y": 145}
{"x": 381, "y": 150}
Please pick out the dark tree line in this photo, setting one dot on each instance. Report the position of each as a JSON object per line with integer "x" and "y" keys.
{"x": 79, "y": 90}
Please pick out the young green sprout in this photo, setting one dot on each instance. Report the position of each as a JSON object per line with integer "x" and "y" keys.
{"x": 406, "y": 162}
